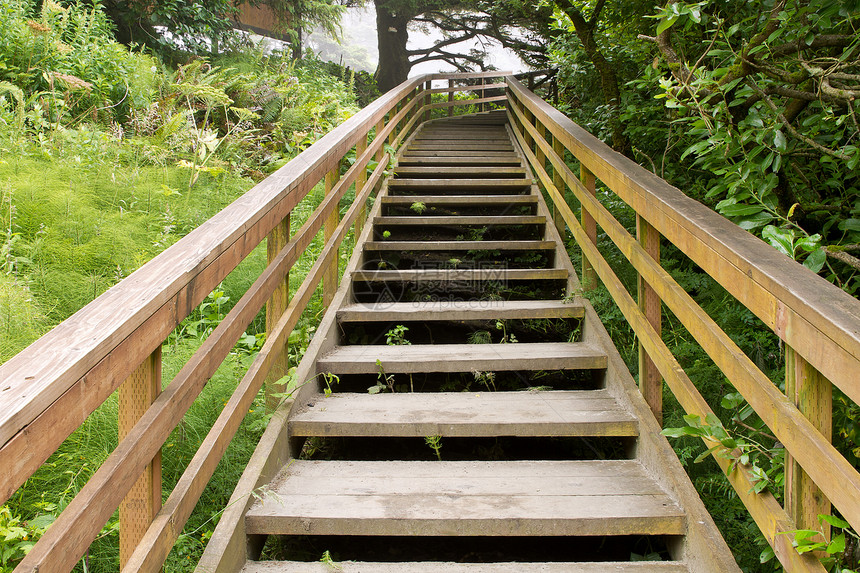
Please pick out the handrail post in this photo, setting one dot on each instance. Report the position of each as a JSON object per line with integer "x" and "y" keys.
{"x": 589, "y": 276}
{"x": 427, "y": 99}
{"x": 451, "y": 97}
{"x": 139, "y": 507}
{"x": 812, "y": 393}
{"x": 360, "y": 182}
{"x": 650, "y": 381}
{"x": 275, "y": 307}
{"x": 558, "y": 181}
{"x": 331, "y": 222}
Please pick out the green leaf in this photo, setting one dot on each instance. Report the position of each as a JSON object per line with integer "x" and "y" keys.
{"x": 837, "y": 545}
{"x": 834, "y": 521}
{"x": 667, "y": 23}
{"x": 779, "y": 140}
{"x": 780, "y": 239}
{"x": 815, "y": 261}
{"x": 850, "y": 225}
{"x": 755, "y": 221}
{"x": 732, "y": 401}
{"x": 740, "y": 210}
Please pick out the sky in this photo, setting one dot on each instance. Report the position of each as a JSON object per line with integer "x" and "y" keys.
{"x": 359, "y": 49}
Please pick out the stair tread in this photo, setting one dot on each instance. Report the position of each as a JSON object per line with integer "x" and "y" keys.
{"x": 461, "y": 220}
{"x": 458, "y": 245}
{"x": 448, "y": 567}
{"x": 458, "y": 199}
{"x": 459, "y": 310}
{"x": 360, "y": 359}
{"x": 461, "y": 171}
{"x": 437, "y": 275}
{"x": 458, "y": 182}
{"x": 466, "y": 414}
{"x": 605, "y": 497}
{"x": 506, "y": 159}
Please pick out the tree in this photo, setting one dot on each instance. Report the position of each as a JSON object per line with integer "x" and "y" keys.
{"x": 296, "y": 17}
{"x": 770, "y": 94}
{"x": 458, "y": 20}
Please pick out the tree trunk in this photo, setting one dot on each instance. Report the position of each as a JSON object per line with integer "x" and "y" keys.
{"x": 391, "y": 36}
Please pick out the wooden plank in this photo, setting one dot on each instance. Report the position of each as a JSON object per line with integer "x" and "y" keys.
{"x": 460, "y": 146}
{"x": 459, "y": 199}
{"x": 589, "y": 277}
{"x": 812, "y": 393}
{"x": 447, "y": 567}
{"x": 330, "y": 278}
{"x": 450, "y": 89}
{"x": 437, "y": 275}
{"x": 460, "y": 414}
{"x": 650, "y": 382}
{"x": 461, "y": 160}
{"x": 813, "y": 316}
{"x": 466, "y": 102}
{"x": 275, "y": 307}
{"x": 464, "y": 153}
{"x": 360, "y": 359}
{"x": 458, "y": 245}
{"x": 482, "y": 220}
{"x": 464, "y": 183}
{"x": 467, "y": 498}
{"x": 770, "y": 517}
{"x": 459, "y": 310}
{"x": 143, "y": 501}
{"x": 496, "y": 172}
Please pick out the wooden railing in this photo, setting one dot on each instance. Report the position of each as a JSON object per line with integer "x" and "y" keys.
{"x": 818, "y": 323}
{"x": 49, "y": 389}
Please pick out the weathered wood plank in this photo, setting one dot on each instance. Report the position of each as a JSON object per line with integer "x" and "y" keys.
{"x": 480, "y": 414}
{"x": 360, "y": 359}
{"x": 459, "y": 199}
{"x": 464, "y": 153}
{"x": 425, "y": 219}
{"x": 436, "y": 275}
{"x": 459, "y": 245}
{"x": 460, "y": 160}
{"x": 468, "y": 498}
{"x": 459, "y": 310}
{"x": 470, "y": 183}
{"x": 496, "y": 172}
{"x": 446, "y": 567}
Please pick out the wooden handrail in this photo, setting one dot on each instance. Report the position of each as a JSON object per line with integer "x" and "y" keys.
{"x": 50, "y": 388}
{"x": 804, "y": 310}
{"x": 814, "y": 317}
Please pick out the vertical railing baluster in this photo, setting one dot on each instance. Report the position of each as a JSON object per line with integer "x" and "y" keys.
{"x": 650, "y": 381}
{"x": 427, "y": 99}
{"x": 558, "y": 181}
{"x": 813, "y": 395}
{"x": 589, "y": 276}
{"x": 139, "y": 507}
{"x": 275, "y": 307}
{"x": 331, "y": 222}
{"x": 451, "y": 97}
{"x": 360, "y": 182}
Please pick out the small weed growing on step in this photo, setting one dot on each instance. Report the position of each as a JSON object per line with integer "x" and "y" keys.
{"x": 506, "y": 338}
{"x": 383, "y": 380}
{"x": 329, "y": 379}
{"x": 397, "y": 336}
{"x": 435, "y": 443}
{"x": 488, "y": 379}
{"x": 329, "y": 561}
{"x": 418, "y": 207}
{"x": 386, "y": 234}
{"x": 480, "y": 337}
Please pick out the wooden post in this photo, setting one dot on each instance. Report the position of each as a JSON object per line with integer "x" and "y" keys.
{"x": 482, "y": 95}
{"x": 331, "y": 222}
{"x": 813, "y": 395}
{"x": 589, "y": 277}
{"x": 427, "y": 99}
{"x": 139, "y": 507}
{"x": 650, "y": 381}
{"x": 360, "y": 182}
{"x": 393, "y": 135}
{"x": 451, "y": 97}
{"x": 558, "y": 181}
{"x": 275, "y": 307}
{"x": 379, "y": 127}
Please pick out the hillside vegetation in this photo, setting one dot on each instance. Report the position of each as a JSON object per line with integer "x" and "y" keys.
{"x": 107, "y": 157}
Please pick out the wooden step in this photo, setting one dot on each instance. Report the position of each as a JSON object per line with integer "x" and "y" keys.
{"x": 455, "y": 220}
{"x": 459, "y": 310}
{"x": 466, "y": 414}
{"x": 464, "y": 153}
{"x": 462, "y": 183}
{"x": 460, "y": 200}
{"x": 470, "y": 275}
{"x": 518, "y": 498}
{"x": 447, "y": 171}
{"x": 361, "y": 359}
{"x": 459, "y": 245}
{"x": 447, "y": 567}
{"x": 461, "y": 146}
{"x": 455, "y": 161}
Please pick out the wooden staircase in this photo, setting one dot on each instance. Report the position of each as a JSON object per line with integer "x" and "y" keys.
{"x": 514, "y": 438}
